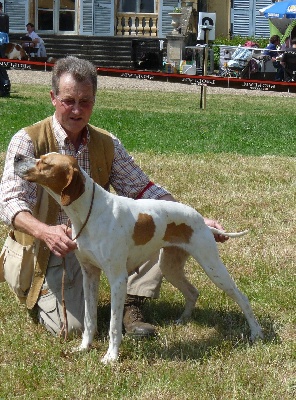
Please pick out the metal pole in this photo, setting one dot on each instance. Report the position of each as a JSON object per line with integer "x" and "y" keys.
{"x": 203, "y": 89}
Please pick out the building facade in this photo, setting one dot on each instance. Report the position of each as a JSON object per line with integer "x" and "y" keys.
{"x": 131, "y": 17}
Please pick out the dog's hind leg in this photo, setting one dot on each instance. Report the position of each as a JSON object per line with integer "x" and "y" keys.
{"x": 206, "y": 254}
{"x": 171, "y": 263}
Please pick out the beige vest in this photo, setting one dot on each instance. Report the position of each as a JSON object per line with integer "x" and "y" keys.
{"x": 101, "y": 154}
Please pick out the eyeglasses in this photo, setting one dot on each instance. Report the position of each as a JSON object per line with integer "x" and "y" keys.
{"x": 71, "y": 103}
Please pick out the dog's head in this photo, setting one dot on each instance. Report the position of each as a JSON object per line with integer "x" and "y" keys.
{"x": 59, "y": 174}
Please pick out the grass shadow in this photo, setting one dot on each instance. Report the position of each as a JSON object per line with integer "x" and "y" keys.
{"x": 165, "y": 313}
{"x": 215, "y": 332}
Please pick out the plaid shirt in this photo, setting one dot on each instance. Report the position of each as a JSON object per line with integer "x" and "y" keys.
{"x": 18, "y": 195}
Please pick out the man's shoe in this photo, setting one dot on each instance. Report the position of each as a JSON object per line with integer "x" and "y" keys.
{"x": 133, "y": 320}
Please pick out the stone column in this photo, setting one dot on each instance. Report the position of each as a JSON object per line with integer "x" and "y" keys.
{"x": 175, "y": 48}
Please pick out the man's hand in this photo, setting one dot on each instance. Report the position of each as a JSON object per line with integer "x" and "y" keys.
{"x": 58, "y": 239}
{"x": 215, "y": 224}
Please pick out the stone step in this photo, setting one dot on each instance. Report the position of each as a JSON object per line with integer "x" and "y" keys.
{"x": 109, "y": 52}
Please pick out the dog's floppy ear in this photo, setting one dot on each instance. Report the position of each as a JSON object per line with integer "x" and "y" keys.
{"x": 74, "y": 188}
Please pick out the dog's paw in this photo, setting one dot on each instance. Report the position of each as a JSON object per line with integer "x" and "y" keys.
{"x": 81, "y": 348}
{"x": 256, "y": 335}
{"x": 180, "y": 321}
{"x": 109, "y": 358}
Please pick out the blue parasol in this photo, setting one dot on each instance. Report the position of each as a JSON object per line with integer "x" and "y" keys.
{"x": 281, "y": 9}
{"x": 281, "y": 14}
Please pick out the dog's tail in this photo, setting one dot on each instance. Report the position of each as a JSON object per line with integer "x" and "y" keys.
{"x": 229, "y": 234}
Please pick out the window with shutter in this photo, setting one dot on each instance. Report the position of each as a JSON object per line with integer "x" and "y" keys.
{"x": 241, "y": 17}
{"x": 104, "y": 18}
{"x": 246, "y": 19}
{"x": 18, "y": 15}
{"x": 165, "y": 20}
{"x": 261, "y": 24}
{"x": 86, "y": 17}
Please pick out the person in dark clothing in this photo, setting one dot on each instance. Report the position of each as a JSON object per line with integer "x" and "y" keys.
{"x": 288, "y": 62}
{"x": 271, "y": 51}
{"x": 4, "y": 21}
{"x": 4, "y": 30}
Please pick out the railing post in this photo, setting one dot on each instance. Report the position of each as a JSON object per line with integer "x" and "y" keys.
{"x": 137, "y": 24}
{"x": 132, "y": 25}
{"x": 126, "y": 27}
{"x": 154, "y": 26}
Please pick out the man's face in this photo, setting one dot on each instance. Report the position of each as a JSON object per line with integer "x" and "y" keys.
{"x": 29, "y": 29}
{"x": 73, "y": 103}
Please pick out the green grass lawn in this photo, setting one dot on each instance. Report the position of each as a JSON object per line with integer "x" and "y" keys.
{"x": 235, "y": 162}
{"x": 169, "y": 123}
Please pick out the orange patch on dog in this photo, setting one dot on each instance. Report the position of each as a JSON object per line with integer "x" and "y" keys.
{"x": 178, "y": 233}
{"x": 144, "y": 229}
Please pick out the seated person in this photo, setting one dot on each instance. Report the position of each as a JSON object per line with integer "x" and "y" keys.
{"x": 288, "y": 61}
{"x": 36, "y": 43}
{"x": 287, "y": 44}
{"x": 271, "y": 51}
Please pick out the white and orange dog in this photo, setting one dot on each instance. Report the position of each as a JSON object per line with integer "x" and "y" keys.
{"x": 123, "y": 233}
{"x": 14, "y": 51}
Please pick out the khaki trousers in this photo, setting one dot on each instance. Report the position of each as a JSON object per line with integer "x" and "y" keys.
{"x": 49, "y": 305}
{"x": 146, "y": 283}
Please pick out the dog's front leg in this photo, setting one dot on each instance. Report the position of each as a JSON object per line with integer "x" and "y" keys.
{"x": 118, "y": 286}
{"x": 91, "y": 277}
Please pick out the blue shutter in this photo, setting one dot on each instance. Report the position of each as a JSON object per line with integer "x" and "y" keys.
{"x": 104, "y": 18}
{"x": 241, "y": 17}
{"x": 86, "y": 17}
{"x": 261, "y": 24}
{"x": 18, "y": 15}
{"x": 246, "y": 19}
{"x": 164, "y": 19}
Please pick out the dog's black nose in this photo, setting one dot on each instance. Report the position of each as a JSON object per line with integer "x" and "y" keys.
{"x": 18, "y": 158}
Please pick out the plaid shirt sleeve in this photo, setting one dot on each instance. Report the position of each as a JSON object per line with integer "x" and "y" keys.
{"x": 16, "y": 194}
{"x": 128, "y": 179}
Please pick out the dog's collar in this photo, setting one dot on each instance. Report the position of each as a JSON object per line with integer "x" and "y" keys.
{"x": 89, "y": 212}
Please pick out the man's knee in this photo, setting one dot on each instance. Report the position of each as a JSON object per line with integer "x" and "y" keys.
{"x": 54, "y": 324}
{"x": 51, "y": 315}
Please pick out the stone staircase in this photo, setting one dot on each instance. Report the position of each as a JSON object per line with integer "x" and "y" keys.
{"x": 123, "y": 52}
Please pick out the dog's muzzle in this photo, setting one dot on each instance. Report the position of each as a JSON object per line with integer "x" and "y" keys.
{"x": 18, "y": 158}
{"x": 22, "y": 164}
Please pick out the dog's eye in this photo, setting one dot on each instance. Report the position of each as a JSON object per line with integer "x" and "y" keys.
{"x": 41, "y": 164}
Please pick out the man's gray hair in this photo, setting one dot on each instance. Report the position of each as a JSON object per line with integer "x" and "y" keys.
{"x": 81, "y": 70}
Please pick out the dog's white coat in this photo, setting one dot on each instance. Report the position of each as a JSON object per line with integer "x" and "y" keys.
{"x": 121, "y": 234}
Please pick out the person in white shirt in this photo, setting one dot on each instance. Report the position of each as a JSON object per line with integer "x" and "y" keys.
{"x": 36, "y": 43}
